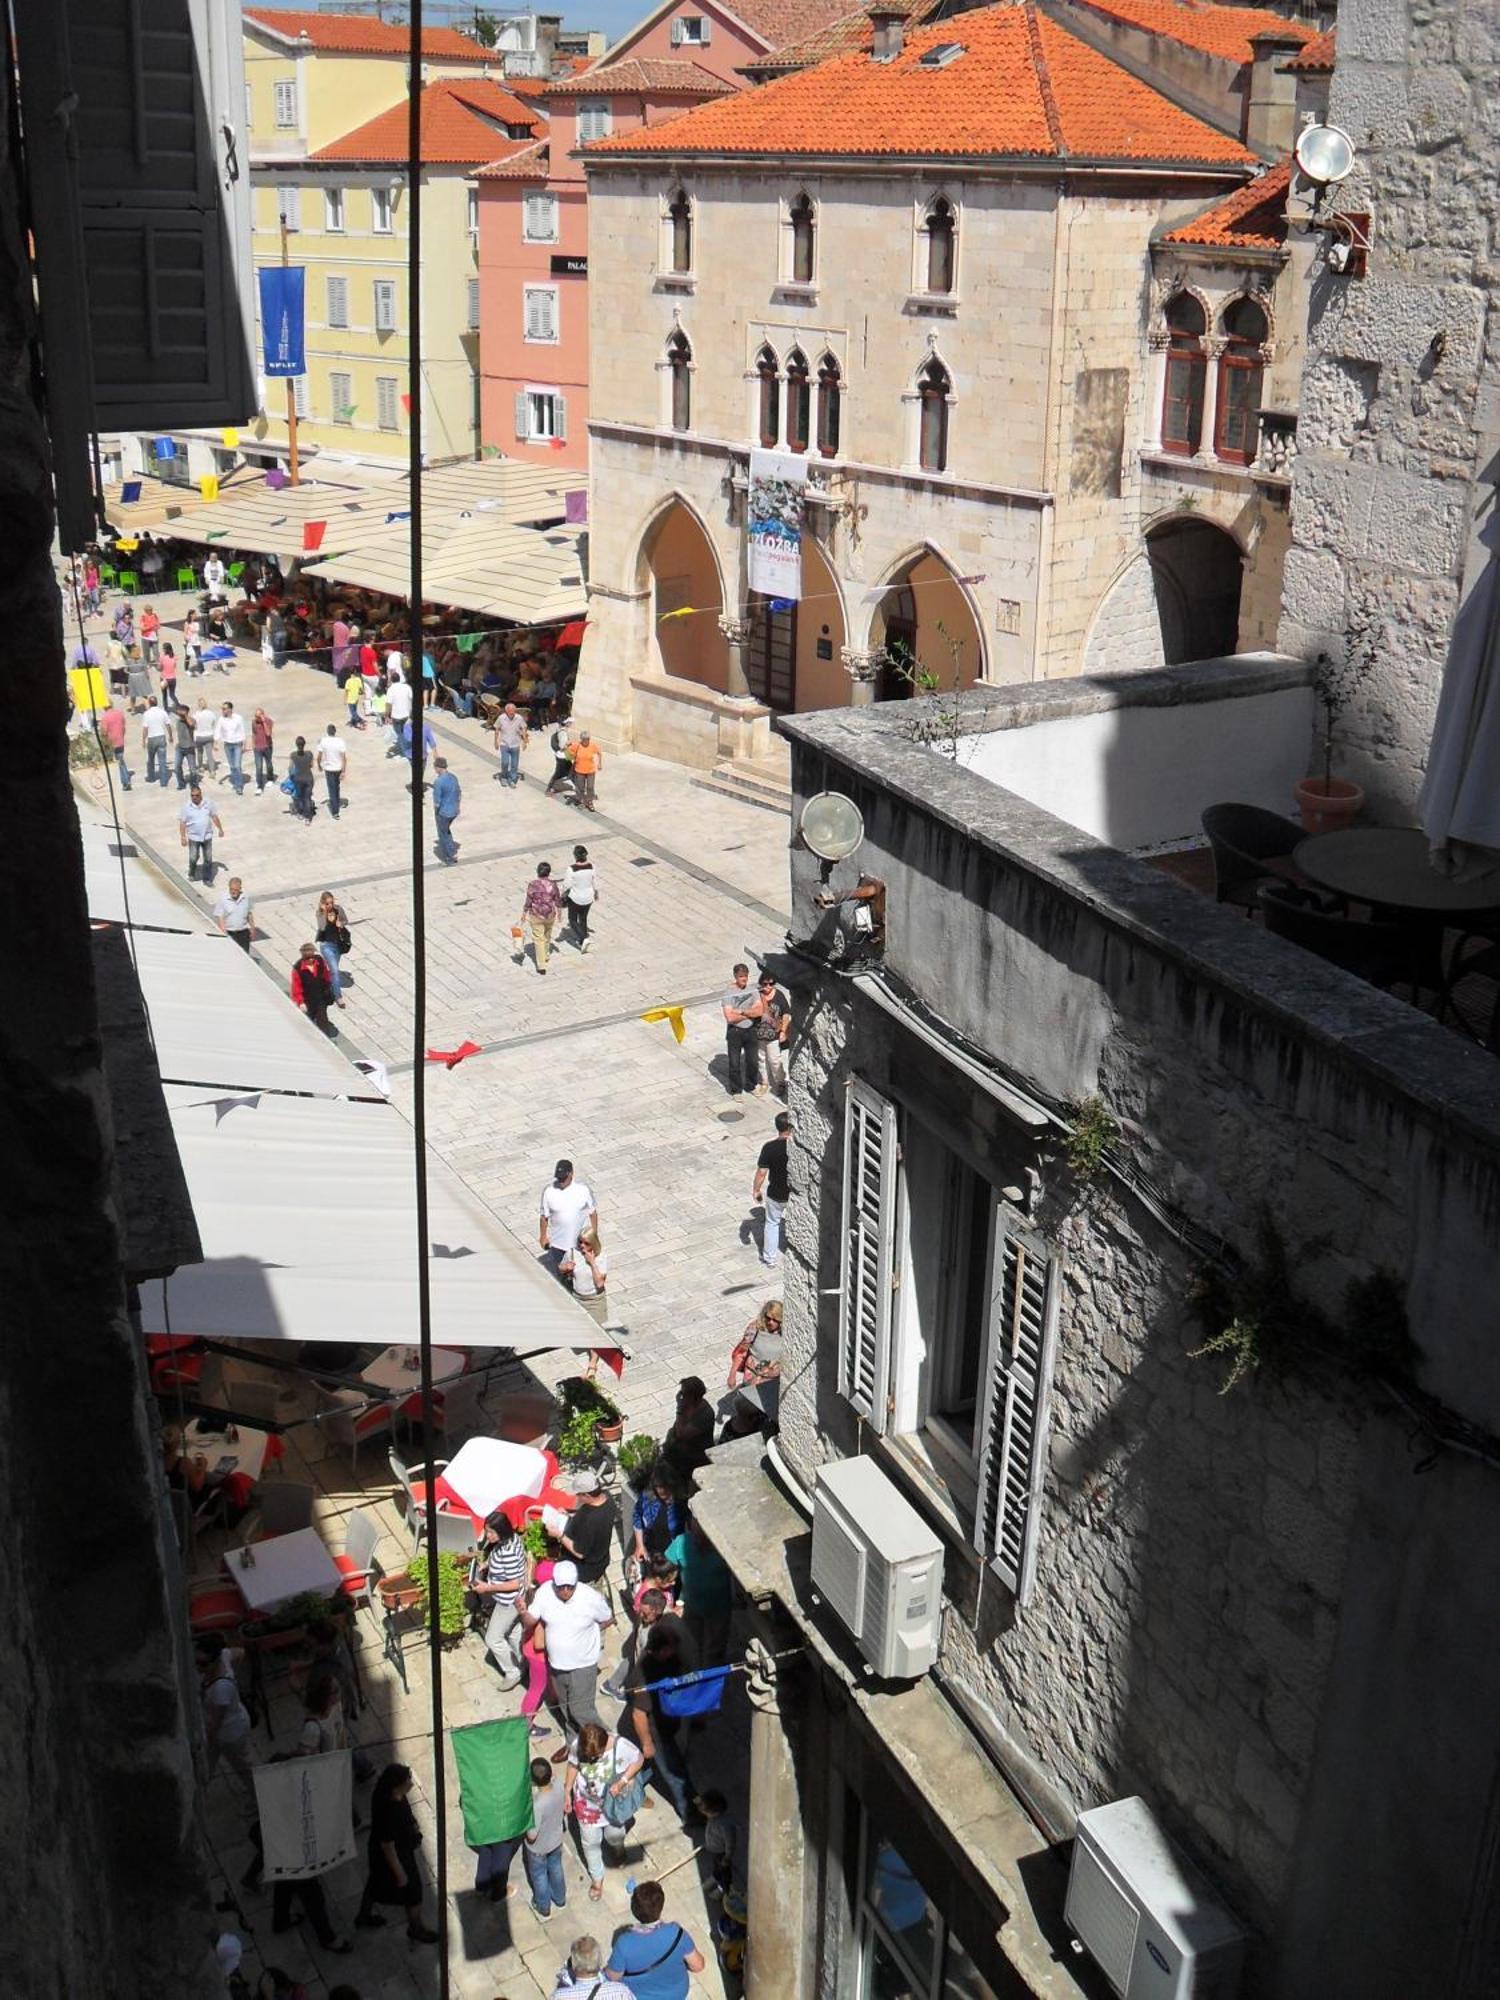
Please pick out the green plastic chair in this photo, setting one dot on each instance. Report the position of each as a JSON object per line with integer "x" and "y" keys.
{"x": 187, "y": 577}
{"x": 130, "y": 583}
{"x": 108, "y": 578}
{"x": 235, "y": 571}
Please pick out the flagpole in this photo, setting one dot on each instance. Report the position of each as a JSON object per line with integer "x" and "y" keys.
{"x": 291, "y": 393}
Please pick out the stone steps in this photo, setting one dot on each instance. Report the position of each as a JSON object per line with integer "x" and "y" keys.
{"x": 758, "y": 781}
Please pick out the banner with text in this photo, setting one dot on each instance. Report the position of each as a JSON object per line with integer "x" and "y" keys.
{"x": 281, "y": 294}
{"x": 778, "y": 482}
{"x": 306, "y": 1814}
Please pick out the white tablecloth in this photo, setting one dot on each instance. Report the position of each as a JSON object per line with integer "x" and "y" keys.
{"x": 389, "y": 1370}
{"x": 284, "y": 1567}
{"x": 248, "y": 1450}
{"x": 487, "y": 1471}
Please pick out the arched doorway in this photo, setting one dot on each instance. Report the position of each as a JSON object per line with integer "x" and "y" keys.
{"x": 926, "y": 628}
{"x": 1197, "y": 573}
{"x": 679, "y": 570}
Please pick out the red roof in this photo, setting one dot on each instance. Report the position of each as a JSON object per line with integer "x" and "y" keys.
{"x": 1252, "y": 218}
{"x": 365, "y": 35}
{"x": 526, "y": 163}
{"x": 651, "y": 76}
{"x": 779, "y": 21}
{"x": 1020, "y": 86}
{"x": 1315, "y": 58}
{"x": 850, "y": 31}
{"x": 1198, "y": 24}
{"x": 463, "y": 124}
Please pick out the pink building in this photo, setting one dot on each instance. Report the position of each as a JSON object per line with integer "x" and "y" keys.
{"x": 533, "y": 212}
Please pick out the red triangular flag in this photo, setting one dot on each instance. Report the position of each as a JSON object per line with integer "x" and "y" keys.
{"x": 312, "y": 535}
{"x": 613, "y": 1359}
{"x": 406, "y": 404}
{"x": 453, "y": 1057}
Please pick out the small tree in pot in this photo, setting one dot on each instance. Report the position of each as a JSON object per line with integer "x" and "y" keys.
{"x": 1327, "y": 802}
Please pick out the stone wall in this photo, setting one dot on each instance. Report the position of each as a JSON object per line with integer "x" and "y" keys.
{"x": 1392, "y": 459}
{"x": 1234, "y": 1611}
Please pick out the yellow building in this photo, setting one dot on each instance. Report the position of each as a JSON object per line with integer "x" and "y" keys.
{"x": 346, "y": 209}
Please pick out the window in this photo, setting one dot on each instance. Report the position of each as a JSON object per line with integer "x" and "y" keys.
{"x": 285, "y": 94}
{"x": 289, "y": 207}
{"x": 830, "y": 396}
{"x": 691, "y": 30}
{"x": 333, "y": 211}
{"x": 539, "y": 218}
{"x": 1182, "y": 396}
{"x": 380, "y": 211}
{"x": 1240, "y": 374}
{"x": 341, "y": 395}
{"x": 768, "y": 420}
{"x": 595, "y": 119}
{"x": 903, "y": 1943}
{"x": 680, "y": 228}
{"x": 803, "y": 223}
{"x": 385, "y": 402}
{"x": 934, "y": 387}
{"x": 541, "y": 312}
{"x": 798, "y": 402}
{"x": 338, "y": 301}
{"x": 473, "y": 289}
{"x": 680, "y": 368}
{"x": 473, "y": 204}
{"x": 385, "y": 305}
{"x": 541, "y": 415}
{"x": 948, "y": 1308}
{"x": 942, "y": 231}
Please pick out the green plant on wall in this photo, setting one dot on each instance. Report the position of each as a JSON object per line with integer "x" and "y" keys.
{"x": 1091, "y": 1131}
{"x": 453, "y": 1574}
{"x": 578, "y": 1439}
{"x": 534, "y": 1535}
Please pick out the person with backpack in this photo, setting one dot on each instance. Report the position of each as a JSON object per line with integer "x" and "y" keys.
{"x": 656, "y": 1956}
{"x": 561, "y": 745}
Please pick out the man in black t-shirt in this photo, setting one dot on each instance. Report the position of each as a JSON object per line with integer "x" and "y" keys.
{"x": 772, "y": 1186}
{"x": 591, "y": 1530}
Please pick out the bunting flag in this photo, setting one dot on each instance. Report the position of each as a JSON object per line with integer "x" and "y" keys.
{"x": 406, "y": 404}
{"x": 344, "y": 412}
{"x": 692, "y": 1694}
{"x": 127, "y": 545}
{"x": 451, "y": 1058}
{"x": 494, "y": 1779}
{"x": 306, "y": 1814}
{"x": 130, "y": 492}
{"x": 312, "y": 535}
{"x": 208, "y": 486}
{"x": 467, "y": 641}
{"x": 231, "y": 440}
{"x": 89, "y": 692}
{"x": 576, "y": 505}
{"x": 672, "y": 1014}
{"x": 683, "y": 611}
{"x": 613, "y": 1359}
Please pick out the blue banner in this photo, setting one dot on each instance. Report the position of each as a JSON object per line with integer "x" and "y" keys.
{"x": 281, "y": 292}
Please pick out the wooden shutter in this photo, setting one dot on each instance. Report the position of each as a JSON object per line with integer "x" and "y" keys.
{"x": 1016, "y": 1388}
{"x": 286, "y": 103}
{"x": 867, "y": 1279}
{"x": 338, "y": 301}
{"x": 679, "y": 33}
{"x": 523, "y": 414}
{"x": 341, "y": 394}
{"x": 385, "y": 402}
{"x": 385, "y": 305}
{"x": 560, "y": 417}
{"x": 289, "y": 207}
{"x": 473, "y": 284}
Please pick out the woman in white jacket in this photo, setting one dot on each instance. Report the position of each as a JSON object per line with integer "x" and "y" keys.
{"x": 580, "y": 893}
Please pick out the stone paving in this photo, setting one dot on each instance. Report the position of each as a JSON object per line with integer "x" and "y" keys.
{"x": 690, "y": 881}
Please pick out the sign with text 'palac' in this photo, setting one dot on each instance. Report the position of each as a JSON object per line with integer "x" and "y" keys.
{"x": 778, "y": 482}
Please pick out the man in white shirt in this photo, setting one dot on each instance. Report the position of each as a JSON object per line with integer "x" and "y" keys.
{"x": 213, "y": 577}
{"x": 229, "y": 734}
{"x": 400, "y": 700}
{"x": 233, "y": 914}
{"x": 154, "y": 730}
{"x": 568, "y": 1207}
{"x": 332, "y": 759}
{"x": 574, "y": 1618}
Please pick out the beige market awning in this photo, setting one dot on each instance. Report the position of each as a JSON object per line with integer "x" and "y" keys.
{"x": 483, "y": 564}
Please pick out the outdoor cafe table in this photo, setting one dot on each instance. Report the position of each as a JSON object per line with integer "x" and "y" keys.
{"x": 247, "y": 1448}
{"x": 389, "y": 1369}
{"x": 486, "y": 1472}
{"x": 1388, "y": 867}
{"x": 284, "y": 1567}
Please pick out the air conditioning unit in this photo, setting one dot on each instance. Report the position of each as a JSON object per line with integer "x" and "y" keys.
{"x": 1144, "y": 1914}
{"x": 879, "y": 1567}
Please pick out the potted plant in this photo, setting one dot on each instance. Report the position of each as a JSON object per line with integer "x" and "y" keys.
{"x": 1328, "y": 803}
{"x": 534, "y": 1535}
{"x": 578, "y": 1438}
{"x": 453, "y": 1574}
{"x": 578, "y": 1393}
{"x": 400, "y": 1592}
{"x": 637, "y": 1456}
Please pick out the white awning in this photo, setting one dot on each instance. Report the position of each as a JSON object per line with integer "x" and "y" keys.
{"x": 306, "y": 1209}
{"x": 154, "y": 904}
{"x": 480, "y": 563}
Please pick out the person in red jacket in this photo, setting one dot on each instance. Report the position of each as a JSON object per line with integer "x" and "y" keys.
{"x": 312, "y": 988}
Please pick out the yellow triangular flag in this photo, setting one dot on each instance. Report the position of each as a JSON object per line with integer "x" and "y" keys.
{"x": 672, "y": 1014}
{"x": 231, "y": 440}
{"x": 686, "y": 611}
{"x": 208, "y": 486}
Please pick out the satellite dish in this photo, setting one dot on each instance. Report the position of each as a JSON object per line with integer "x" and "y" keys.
{"x": 1325, "y": 154}
{"x": 831, "y": 825}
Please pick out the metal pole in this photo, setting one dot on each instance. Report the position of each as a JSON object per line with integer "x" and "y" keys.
{"x": 291, "y": 392}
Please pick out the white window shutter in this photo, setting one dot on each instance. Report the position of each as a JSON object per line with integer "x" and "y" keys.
{"x": 473, "y": 304}
{"x": 338, "y": 301}
{"x": 679, "y": 33}
{"x": 560, "y": 417}
{"x": 867, "y": 1279}
{"x": 704, "y": 31}
{"x": 1016, "y": 1391}
{"x": 523, "y": 414}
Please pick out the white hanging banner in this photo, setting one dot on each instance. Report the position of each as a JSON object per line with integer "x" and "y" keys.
{"x": 778, "y": 486}
{"x": 306, "y": 1814}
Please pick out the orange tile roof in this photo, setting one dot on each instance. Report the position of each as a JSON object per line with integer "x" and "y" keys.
{"x": 1199, "y": 24}
{"x": 1315, "y": 58}
{"x": 365, "y": 35}
{"x": 851, "y": 31}
{"x": 463, "y": 124}
{"x": 779, "y": 21}
{"x": 1252, "y": 218}
{"x": 527, "y": 163}
{"x": 653, "y": 76}
{"x": 1022, "y": 87}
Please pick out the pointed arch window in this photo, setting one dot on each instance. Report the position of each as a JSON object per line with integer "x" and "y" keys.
{"x": 804, "y": 224}
{"x": 1187, "y": 361}
{"x": 798, "y": 402}
{"x": 942, "y": 245}
{"x": 1241, "y": 372}
{"x": 768, "y": 369}
{"x": 830, "y": 402}
{"x": 680, "y": 228}
{"x": 680, "y": 367}
{"x": 934, "y": 387}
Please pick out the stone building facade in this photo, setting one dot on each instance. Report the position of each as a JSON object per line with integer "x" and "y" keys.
{"x": 1257, "y": 1609}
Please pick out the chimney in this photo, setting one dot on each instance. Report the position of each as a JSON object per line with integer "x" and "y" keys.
{"x": 548, "y": 28}
{"x": 889, "y": 23}
{"x": 1271, "y": 94}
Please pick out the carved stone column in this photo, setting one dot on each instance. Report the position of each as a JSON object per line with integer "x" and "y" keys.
{"x": 1214, "y": 346}
{"x": 1156, "y": 388}
{"x": 736, "y": 641}
{"x": 862, "y": 665}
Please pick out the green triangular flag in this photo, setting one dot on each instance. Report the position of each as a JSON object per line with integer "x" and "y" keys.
{"x": 467, "y": 641}
{"x": 494, "y": 1779}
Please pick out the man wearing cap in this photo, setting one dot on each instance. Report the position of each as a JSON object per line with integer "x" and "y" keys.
{"x": 567, "y": 1207}
{"x": 573, "y": 1618}
{"x": 590, "y": 1535}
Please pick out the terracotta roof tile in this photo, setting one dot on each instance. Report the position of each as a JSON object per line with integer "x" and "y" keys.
{"x": 657, "y": 76}
{"x": 851, "y": 31}
{"x": 779, "y": 21}
{"x": 1199, "y": 24}
{"x": 1021, "y": 87}
{"x": 1315, "y": 58}
{"x": 365, "y": 35}
{"x": 463, "y": 124}
{"x": 1252, "y": 218}
{"x": 527, "y": 163}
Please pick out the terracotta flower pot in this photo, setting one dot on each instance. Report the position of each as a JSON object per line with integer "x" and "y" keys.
{"x": 611, "y": 1433}
{"x": 399, "y": 1593}
{"x": 1328, "y": 804}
